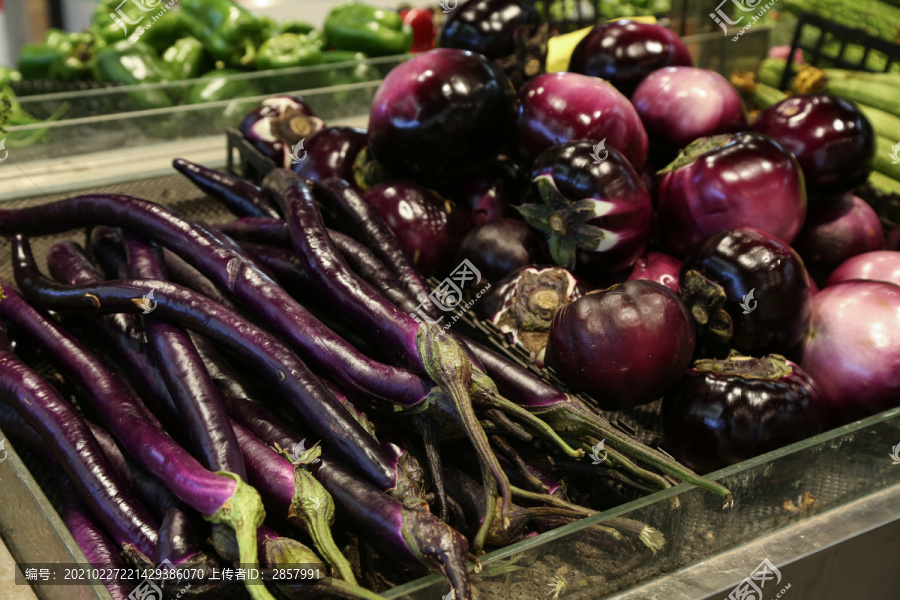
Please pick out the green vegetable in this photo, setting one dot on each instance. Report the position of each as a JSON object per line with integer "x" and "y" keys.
{"x": 883, "y": 163}
{"x": 849, "y": 85}
{"x": 186, "y": 59}
{"x": 885, "y": 124}
{"x": 152, "y": 22}
{"x": 877, "y": 18}
{"x": 288, "y": 50}
{"x": 300, "y": 27}
{"x": 364, "y": 28}
{"x": 37, "y": 61}
{"x": 78, "y": 54}
{"x": 229, "y": 32}
{"x": 221, "y": 84}
{"x": 884, "y": 184}
{"x": 8, "y": 76}
{"x": 132, "y": 64}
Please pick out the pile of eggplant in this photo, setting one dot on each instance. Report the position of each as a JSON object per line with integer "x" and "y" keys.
{"x": 287, "y": 389}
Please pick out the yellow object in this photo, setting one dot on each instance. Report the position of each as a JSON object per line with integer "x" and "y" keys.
{"x": 560, "y": 48}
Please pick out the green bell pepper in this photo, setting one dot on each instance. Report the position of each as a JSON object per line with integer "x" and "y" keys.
{"x": 364, "y": 28}
{"x": 221, "y": 85}
{"x": 288, "y": 50}
{"x": 186, "y": 59}
{"x": 301, "y": 27}
{"x": 8, "y": 76}
{"x": 78, "y": 54}
{"x": 360, "y": 72}
{"x": 36, "y": 61}
{"x": 229, "y": 32}
{"x": 132, "y": 64}
{"x": 152, "y": 22}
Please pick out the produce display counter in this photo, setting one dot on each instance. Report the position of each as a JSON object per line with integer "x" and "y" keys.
{"x": 794, "y": 507}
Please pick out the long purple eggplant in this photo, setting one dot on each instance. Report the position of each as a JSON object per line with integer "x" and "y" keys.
{"x": 410, "y": 535}
{"x": 189, "y": 385}
{"x": 228, "y": 270}
{"x": 259, "y": 348}
{"x": 377, "y": 235}
{"x": 104, "y": 247}
{"x": 219, "y": 497}
{"x": 423, "y": 345}
{"x": 237, "y": 195}
{"x": 184, "y": 274}
{"x": 258, "y": 230}
{"x": 72, "y": 444}
{"x": 100, "y": 551}
{"x": 296, "y": 494}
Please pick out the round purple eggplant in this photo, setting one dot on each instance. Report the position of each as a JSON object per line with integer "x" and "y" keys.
{"x": 626, "y": 345}
{"x": 509, "y": 32}
{"x": 881, "y": 265}
{"x": 489, "y": 192}
{"x": 832, "y": 140}
{"x": 331, "y": 153}
{"x": 726, "y": 411}
{"x": 439, "y": 112}
{"x": 596, "y": 214}
{"x": 729, "y": 181}
{"x": 852, "y": 348}
{"x": 677, "y": 105}
{"x": 429, "y": 227}
{"x": 625, "y": 52}
{"x": 499, "y": 248}
{"x": 523, "y": 304}
{"x": 835, "y": 231}
{"x": 556, "y": 108}
{"x": 279, "y": 127}
{"x": 658, "y": 267}
{"x": 746, "y": 290}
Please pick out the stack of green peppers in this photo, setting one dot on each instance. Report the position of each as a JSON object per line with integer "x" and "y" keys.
{"x": 62, "y": 56}
{"x": 363, "y": 28}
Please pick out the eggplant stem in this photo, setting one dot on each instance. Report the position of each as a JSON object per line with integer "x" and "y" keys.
{"x": 244, "y": 513}
{"x": 433, "y": 455}
{"x": 450, "y": 368}
{"x": 654, "y": 479}
{"x": 519, "y": 463}
{"x": 578, "y": 420}
{"x": 490, "y": 511}
{"x": 485, "y": 393}
{"x": 313, "y": 510}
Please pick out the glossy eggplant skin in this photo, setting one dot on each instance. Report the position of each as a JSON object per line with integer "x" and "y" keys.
{"x": 278, "y": 124}
{"x": 621, "y": 199}
{"x": 624, "y": 52}
{"x": 758, "y": 273}
{"x": 722, "y": 412}
{"x": 487, "y": 27}
{"x": 439, "y": 112}
{"x": 556, "y": 108}
{"x": 331, "y": 152}
{"x": 743, "y": 180}
{"x": 499, "y": 248}
{"x": 832, "y": 140}
{"x": 625, "y": 346}
{"x": 429, "y": 228}
{"x": 489, "y": 192}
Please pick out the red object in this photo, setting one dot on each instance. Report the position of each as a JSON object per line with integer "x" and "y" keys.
{"x": 424, "y": 32}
